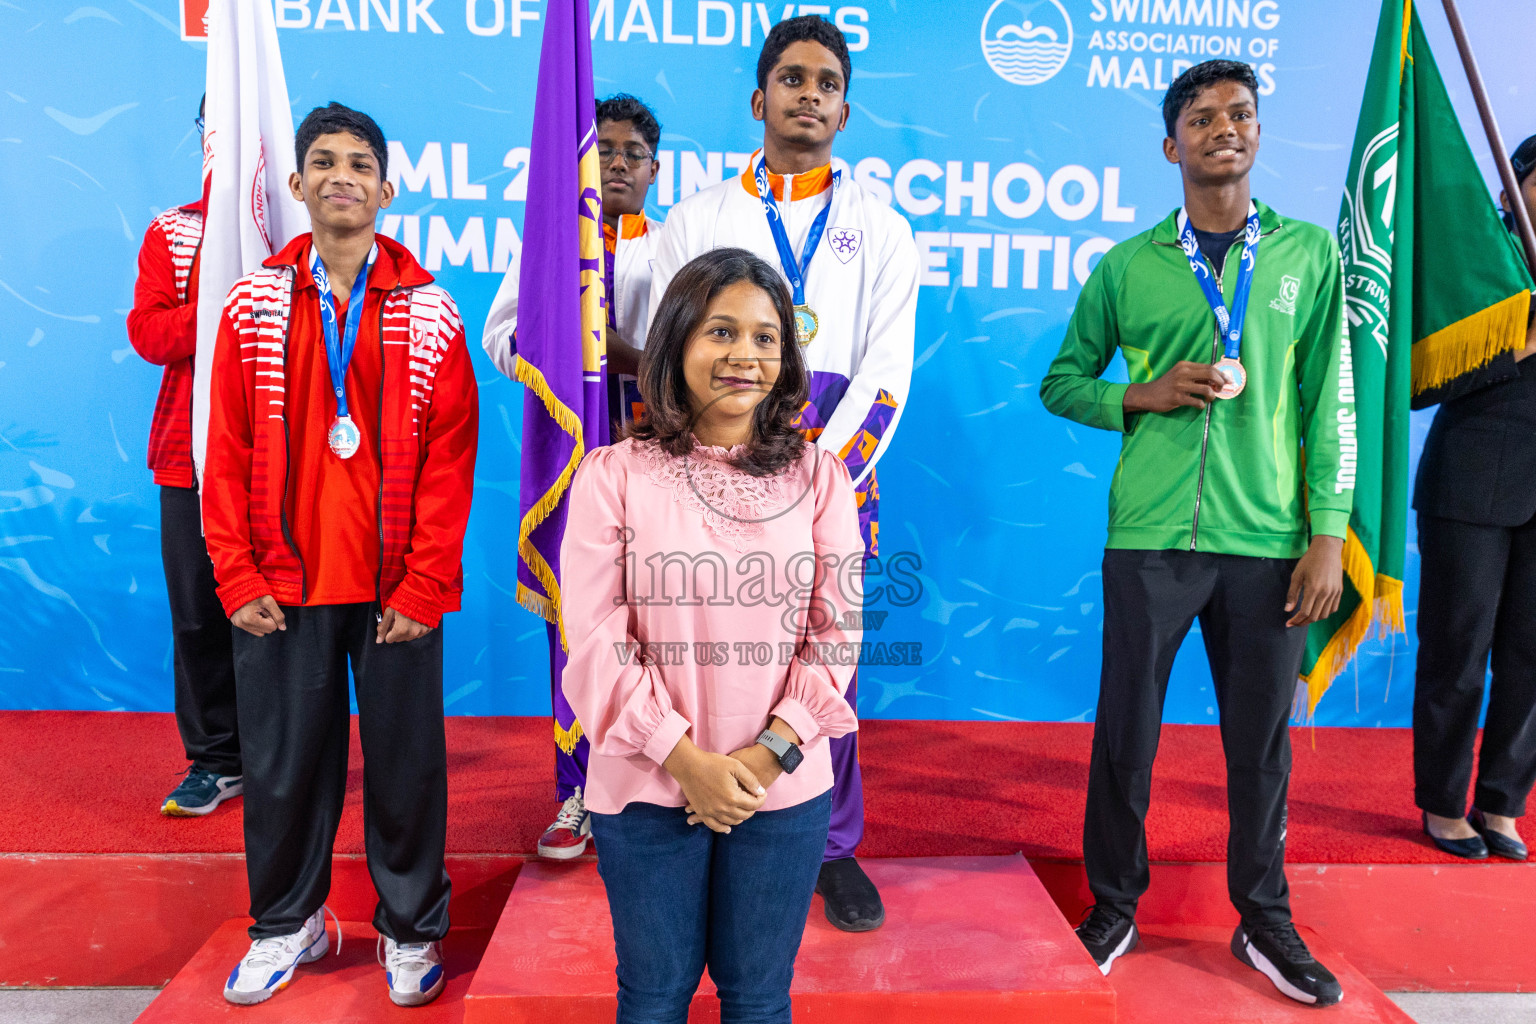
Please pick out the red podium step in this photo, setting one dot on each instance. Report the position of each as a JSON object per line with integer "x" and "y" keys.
{"x": 1188, "y": 974}
{"x": 339, "y": 989}
{"x": 972, "y": 939}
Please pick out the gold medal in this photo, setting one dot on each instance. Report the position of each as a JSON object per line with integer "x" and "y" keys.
{"x": 806, "y": 324}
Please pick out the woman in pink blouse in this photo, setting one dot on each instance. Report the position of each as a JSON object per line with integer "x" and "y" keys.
{"x": 710, "y": 564}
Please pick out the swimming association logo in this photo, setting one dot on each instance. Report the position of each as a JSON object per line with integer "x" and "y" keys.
{"x": 1026, "y": 41}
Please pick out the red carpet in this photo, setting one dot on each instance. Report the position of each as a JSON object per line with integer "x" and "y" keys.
{"x": 91, "y": 782}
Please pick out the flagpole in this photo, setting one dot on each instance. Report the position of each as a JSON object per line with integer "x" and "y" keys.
{"x": 1491, "y": 128}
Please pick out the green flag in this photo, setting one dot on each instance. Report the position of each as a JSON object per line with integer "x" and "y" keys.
{"x": 1434, "y": 289}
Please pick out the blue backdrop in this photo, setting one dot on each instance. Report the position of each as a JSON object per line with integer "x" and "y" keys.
{"x": 1042, "y": 145}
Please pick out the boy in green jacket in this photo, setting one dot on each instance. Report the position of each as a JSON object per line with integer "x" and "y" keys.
{"x": 1229, "y": 504}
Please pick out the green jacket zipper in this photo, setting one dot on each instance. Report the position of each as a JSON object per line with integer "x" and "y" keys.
{"x": 1205, "y": 434}
{"x": 1205, "y": 437}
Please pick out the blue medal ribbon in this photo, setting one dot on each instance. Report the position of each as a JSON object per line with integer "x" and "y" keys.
{"x": 794, "y": 270}
{"x": 1231, "y": 324}
{"x": 338, "y": 346}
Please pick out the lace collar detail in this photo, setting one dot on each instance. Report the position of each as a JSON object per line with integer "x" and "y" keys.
{"x": 735, "y": 505}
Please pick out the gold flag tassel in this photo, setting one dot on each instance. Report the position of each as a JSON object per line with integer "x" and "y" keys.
{"x": 1381, "y": 606}
{"x": 1470, "y": 342}
{"x": 566, "y": 739}
{"x": 547, "y": 604}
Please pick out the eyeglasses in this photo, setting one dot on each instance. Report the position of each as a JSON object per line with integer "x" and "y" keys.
{"x": 199, "y": 123}
{"x": 634, "y": 156}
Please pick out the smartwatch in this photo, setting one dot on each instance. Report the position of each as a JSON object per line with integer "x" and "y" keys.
{"x": 788, "y": 755}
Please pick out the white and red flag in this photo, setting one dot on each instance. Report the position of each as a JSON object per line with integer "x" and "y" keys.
{"x": 247, "y": 158}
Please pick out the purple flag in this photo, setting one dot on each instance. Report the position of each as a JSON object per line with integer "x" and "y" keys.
{"x": 560, "y": 350}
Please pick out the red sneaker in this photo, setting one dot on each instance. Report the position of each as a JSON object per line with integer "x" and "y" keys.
{"x": 567, "y": 837}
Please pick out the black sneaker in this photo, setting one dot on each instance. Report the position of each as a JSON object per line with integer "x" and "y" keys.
{"x": 1278, "y": 953}
{"x": 1108, "y": 935}
{"x": 200, "y": 792}
{"x": 851, "y": 900}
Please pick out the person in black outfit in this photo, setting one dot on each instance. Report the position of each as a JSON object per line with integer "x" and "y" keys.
{"x": 1476, "y": 503}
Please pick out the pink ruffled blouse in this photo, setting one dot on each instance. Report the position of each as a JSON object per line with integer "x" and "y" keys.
{"x": 699, "y": 599}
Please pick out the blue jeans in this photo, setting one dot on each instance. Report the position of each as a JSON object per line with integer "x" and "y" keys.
{"x": 683, "y": 896}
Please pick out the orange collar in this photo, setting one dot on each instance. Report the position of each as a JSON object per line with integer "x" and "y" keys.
{"x": 811, "y": 183}
{"x": 630, "y": 226}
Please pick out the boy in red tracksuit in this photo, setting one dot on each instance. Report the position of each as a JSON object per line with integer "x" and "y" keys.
{"x": 341, "y": 455}
{"x": 163, "y": 329}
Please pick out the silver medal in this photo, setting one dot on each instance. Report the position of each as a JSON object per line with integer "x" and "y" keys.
{"x": 344, "y": 437}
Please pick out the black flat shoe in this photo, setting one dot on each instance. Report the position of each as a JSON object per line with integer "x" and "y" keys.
{"x": 852, "y": 902}
{"x": 1470, "y": 849}
{"x": 1498, "y": 844}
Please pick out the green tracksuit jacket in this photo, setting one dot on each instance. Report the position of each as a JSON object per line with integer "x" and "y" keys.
{"x": 1245, "y": 476}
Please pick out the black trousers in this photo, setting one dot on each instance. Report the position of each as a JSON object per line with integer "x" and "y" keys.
{"x": 1151, "y": 598}
{"x": 1477, "y": 594}
{"x": 295, "y": 720}
{"x": 204, "y": 657}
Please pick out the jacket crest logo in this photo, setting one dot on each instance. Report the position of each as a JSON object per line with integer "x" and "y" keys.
{"x": 1285, "y": 302}
{"x": 845, "y": 242}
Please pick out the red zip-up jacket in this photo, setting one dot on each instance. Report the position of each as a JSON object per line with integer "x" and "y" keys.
{"x": 162, "y": 328}
{"x": 425, "y": 444}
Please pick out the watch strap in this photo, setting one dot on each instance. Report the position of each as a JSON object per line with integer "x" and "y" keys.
{"x": 774, "y": 742}
{"x": 786, "y": 753}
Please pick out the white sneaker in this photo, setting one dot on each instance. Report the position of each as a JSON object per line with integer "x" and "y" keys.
{"x": 414, "y": 970}
{"x": 268, "y": 966}
{"x": 567, "y": 837}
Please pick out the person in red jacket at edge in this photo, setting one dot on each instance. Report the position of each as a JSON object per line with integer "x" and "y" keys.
{"x": 163, "y": 329}
{"x": 341, "y": 457}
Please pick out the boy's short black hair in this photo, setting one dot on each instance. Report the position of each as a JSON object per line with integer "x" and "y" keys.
{"x": 622, "y": 106}
{"x": 1523, "y": 161}
{"x": 336, "y": 119}
{"x": 808, "y": 27}
{"x": 1200, "y": 77}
